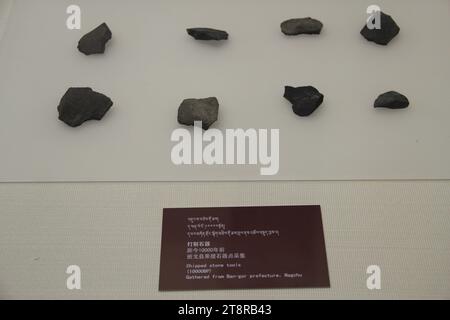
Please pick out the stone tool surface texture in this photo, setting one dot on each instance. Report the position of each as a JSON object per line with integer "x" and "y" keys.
{"x": 392, "y": 100}
{"x": 388, "y": 30}
{"x": 207, "y": 34}
{"x": 95, "y": 41}
{"x": 79, "y": 105}
{"x": 305, "y": 100}
{"x": 204, "y": 110}
{"x": 293, "y": 27}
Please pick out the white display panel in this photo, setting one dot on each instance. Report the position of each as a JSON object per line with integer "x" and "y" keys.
{"x": 151, "y": 65}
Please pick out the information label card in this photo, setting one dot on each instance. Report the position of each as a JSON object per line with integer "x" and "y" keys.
{"x": 243, "y": 248}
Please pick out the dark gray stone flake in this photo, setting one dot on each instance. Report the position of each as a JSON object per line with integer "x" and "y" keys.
{"x": 295, "y": 27}
{"x": 305, "y": 100}
{"x": 388, "y": 31}
{"x": 95, "y": 41}
{"x": 204, "y": 110}
{"x": 392, "y": 100}
{"x": 79, "y": 105}
{"x": 207, "y": 34}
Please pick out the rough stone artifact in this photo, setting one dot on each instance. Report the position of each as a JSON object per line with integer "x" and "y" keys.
{"x": 305, "y": 100}
{"x": 295, "y": 27}
{"x": 207, "y": 34}
{"x": 388, "y": 31}
{"x": 205, "y": 110}
{"x": 79, "y": 105}
{"x": 95, "y": 41}
{"x": 392, "y": 100}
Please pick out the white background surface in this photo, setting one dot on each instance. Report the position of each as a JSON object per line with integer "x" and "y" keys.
{"x": 151, "y": 65}
{"x": 113, "y": 230}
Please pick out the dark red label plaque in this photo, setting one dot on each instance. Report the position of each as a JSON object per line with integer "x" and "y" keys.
{"x": 243, "y": 248}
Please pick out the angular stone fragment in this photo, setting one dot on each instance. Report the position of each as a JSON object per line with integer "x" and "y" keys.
{"x": 205, "y": 110}
{"x": 388, "y": 31}
{"x": 79, "y": 105}
{"x": 305, "y": 100}
{"x": 207, "y": 34}
{"x": 295, "y": 27}
{"x": 95, "y": 41}
{"x": 392, "y": 100}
